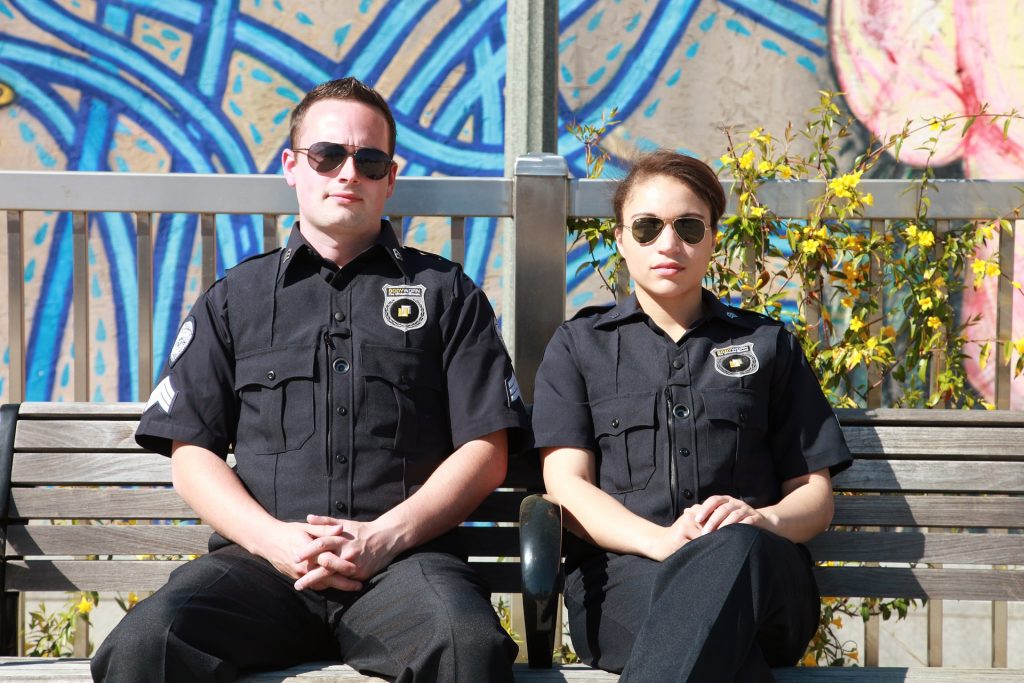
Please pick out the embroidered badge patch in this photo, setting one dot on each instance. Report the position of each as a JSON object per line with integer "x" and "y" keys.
{"x": 186, "y": 333}
{"x": 163, "y": 396}
{"x": 735, "y": 361}
{"x": 404, "y": 307}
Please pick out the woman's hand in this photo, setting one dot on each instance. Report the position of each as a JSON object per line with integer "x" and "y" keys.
{"x": 674, "y": 537}
{"x": 721, "y": 511}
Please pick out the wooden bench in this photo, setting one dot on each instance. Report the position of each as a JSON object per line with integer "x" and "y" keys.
{"x": 940, "y": 517}
{"x": 66, "y": 461}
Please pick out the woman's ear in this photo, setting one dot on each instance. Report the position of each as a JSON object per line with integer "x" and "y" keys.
{"x": 618, "y": 235}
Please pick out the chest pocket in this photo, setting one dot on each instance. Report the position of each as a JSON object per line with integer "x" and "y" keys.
{"x": 625, "y": 428}
{"x": 740, "y": 460}
{"x": 403, "y": 407}
{"x": 275, "y": 387}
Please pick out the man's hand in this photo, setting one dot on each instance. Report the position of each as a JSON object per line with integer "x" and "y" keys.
{"x": 283, "y": 543}
{"x": 343, "y": 554}
{"x": 721, "y": 511}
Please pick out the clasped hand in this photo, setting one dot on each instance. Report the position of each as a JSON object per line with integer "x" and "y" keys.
{"x": 326, "y": 552}
{"x": 697, "y": 520}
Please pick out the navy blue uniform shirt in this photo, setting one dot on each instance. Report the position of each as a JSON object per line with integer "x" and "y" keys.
{"x": 340, "y": 390}
{"x": 733, "y": 408}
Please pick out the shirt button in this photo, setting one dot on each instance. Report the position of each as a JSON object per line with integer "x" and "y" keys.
{"x": 341, "y": 410}
{"x": 677, "y": 364}
{"x": 341, "y": 458}
{"x": 743, "y": 416}
{"x": 685, "y": 452}
{"x": 687, "y": 494}
{"x": 615, "y": 423}
{"x": 679, "y": 410}
{"x": 341, "y": 365}
{"x": 271, "y": 375}
{"x": 339, "y": 505}
{"x": 339, "y": 316}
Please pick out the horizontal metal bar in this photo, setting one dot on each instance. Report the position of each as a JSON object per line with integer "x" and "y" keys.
{"x": 233, "y": 194}
{"x": 951, "y": 199}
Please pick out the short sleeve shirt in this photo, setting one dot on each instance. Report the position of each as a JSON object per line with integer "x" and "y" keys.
{"x": 339, "y": 390}
{"x": 732, "y": 408}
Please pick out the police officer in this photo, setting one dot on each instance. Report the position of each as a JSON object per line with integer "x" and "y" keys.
{"x": 369, "y": 400}
{"x": 690, "y": 446}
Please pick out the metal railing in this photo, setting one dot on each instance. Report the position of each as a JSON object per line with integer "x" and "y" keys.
{"x": 537, "y": 201}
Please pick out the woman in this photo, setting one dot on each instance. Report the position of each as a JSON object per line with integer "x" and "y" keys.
{"x": 690, "y": 447}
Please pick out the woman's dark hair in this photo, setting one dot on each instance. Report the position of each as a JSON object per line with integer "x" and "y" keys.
{"x": 693, "y": 173}
{"x": 347, "y": 88}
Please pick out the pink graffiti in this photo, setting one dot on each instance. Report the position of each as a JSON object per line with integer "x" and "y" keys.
{"x": 917, "y": 59}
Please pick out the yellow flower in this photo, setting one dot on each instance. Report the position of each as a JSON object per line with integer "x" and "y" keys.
{"x": 747, "y": 160}
{"x": 810, "y": 246}
{"x": 872, "y": 342}
{"x": 726, "y": 159}
{"x": 843, "y": 185}
{"x": 85, "y": 605}
{"x": 765, "y": 167}
{"x": 853, "y": 654}
{"x": 1018, "y": 346}
{"x": 934, "y": 322}
{"x": 978, "y": 267}
{"x": 925, "y": 303}
{"x": 992, "y": 269}
{"x": 821, "y": 233}
{"x": 856, "y": 324}
{"x": 756, "y": 211}
{"x": 759, "y": 135}
{"x": 847, "y": 302}
{"x": 867, "y": 199}
{"x": 926, "y": 238}
{"x": 935, "y": 124}
{"x": 133, "y": 599}
{"x": 785, "y": 172}
{"x": 1015, "y": 284}
{"x": 809, "y": 660}
{"x": 889, "y": 331}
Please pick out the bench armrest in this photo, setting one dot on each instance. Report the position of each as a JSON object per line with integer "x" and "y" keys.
{"x": 540, "y": 541}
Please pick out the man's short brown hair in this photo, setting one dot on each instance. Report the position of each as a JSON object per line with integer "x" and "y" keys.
{"x": 347, "y": 88}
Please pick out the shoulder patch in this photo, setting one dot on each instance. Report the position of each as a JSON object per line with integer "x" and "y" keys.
{"x": 186, "y": 333}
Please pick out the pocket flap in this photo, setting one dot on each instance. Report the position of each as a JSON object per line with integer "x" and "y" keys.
{"x": 739, "y": 406}
{"x": 404, "y": 368}
{"x": 618, "y": 414}
{"x": 272, "y": 367}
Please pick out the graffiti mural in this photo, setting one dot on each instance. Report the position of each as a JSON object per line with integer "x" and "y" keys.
{"x": 913, "y": 59}
{"x": 194, "y": 86}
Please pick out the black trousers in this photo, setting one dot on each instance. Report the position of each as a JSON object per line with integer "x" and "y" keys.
{"x": 425, "y": 618}
{"x": 725, "y": 607}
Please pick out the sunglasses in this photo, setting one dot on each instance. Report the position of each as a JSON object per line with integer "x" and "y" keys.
{"x": 324, "y": 157}
{"x": 647, "y": 228}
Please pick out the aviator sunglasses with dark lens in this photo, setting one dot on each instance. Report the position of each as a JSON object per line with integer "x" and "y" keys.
{"x": 324, "y": 157}
{"x": 647, "y": 228}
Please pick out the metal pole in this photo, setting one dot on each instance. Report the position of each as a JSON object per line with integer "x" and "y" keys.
{"x": 531, "y": 79}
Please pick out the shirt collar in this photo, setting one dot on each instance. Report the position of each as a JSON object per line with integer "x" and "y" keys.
{"x": 628, "y": 310}
{"x": 298, "y": 250}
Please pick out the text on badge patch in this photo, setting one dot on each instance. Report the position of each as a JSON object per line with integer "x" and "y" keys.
{"x": 735, "y": 361}
{"x": 404, "y": 307}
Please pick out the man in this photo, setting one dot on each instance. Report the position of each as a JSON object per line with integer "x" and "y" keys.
{"x": 367, "y": 394}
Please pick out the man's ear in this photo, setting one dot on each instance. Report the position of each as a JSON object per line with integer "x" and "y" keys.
{"x": 288, "y": 159}
{"x": 392, "y": 174}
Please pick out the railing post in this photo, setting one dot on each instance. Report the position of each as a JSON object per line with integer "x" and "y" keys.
{"x": 534, "y": 262}
{"x": 15, "y": 309}
{"x": 531, "y": 79}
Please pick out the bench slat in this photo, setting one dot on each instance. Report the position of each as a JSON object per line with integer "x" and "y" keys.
{"x": 76, "y": 435}
{"x": 916, "y": 475}
{"x": 935, "y": 441}
{"x": 62, "y": 410}
{"x": 69, "y": 469}
{"x": 187, "y": 539}
{"x": 895, "y": 675}
{"x": 999, "y": 512}
{"x": 892, "y": 582}
{"x": 962, "y": 548}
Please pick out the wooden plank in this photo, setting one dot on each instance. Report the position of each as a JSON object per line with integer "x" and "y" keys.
{"x": 76, "y": 435}
{"x": 895, "y": 675}
{"x": 929, "y": 417}
{"x": 937, "y": 442}
{"x": 892, "y": 546}
{"x": 85, "y": 575}
{"x": 902, "y": 582}
{"x": 49, "y": 410}
{"x": 97, "y": 503}
{"x": 107, "y": 539}
{"x": 917, "y": 475}
{"x": 68, "y": 469}
{"x": 929, "y": 510}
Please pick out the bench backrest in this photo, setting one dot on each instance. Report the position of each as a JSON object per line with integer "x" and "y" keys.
{"x": 82, "y": 491}
{"x": 945, "y": 487}
{"x": 933, "y": 478}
